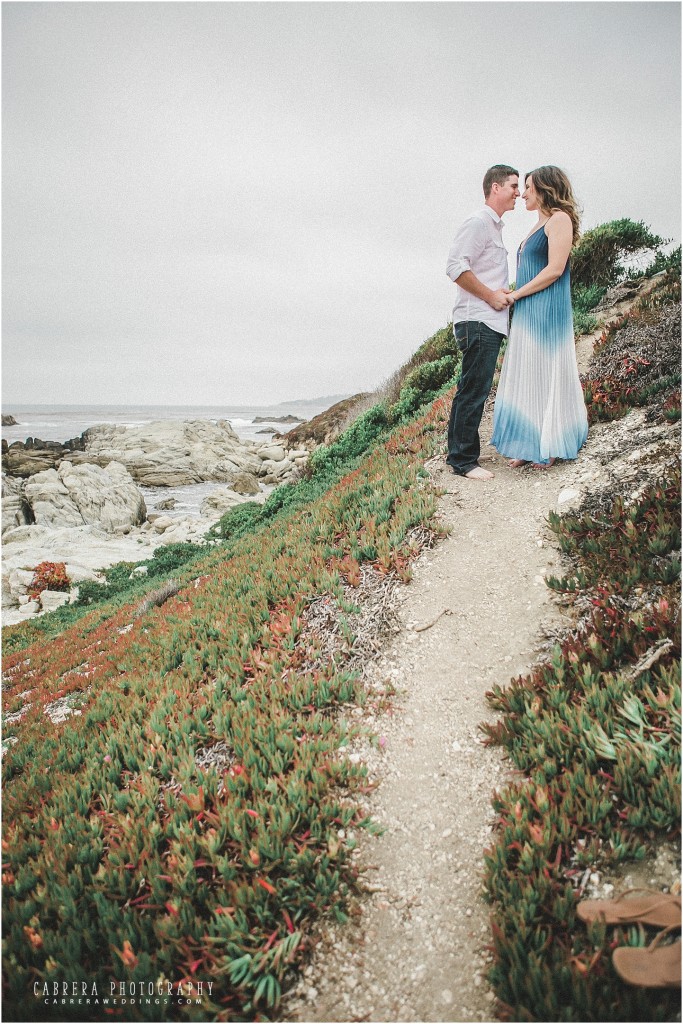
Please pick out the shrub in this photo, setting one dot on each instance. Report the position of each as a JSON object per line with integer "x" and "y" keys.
{"x": 355, "y": 440}
{"x": 585, "y": 299}
{"x": 49, "y": 576}
{"x": 597, "y": 258}
{"x": 118, "y": 577}
{"x": 238, "y": 521}
{"x": 409, "y": 400}
{"x": 661, "y": 263}
{"x": 431, "y": 377}
{"x": 440, "y": 344}
{"x": 172, "y": 556}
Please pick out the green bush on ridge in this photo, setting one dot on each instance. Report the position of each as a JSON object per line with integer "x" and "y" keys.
{"x": 597, "y": 259}
{"x": 583, "y": 301}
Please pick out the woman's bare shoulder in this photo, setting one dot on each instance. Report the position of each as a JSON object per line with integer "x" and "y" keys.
{"x": 558, "y": 217}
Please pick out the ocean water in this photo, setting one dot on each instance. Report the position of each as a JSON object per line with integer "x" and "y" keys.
{"x": 63, "y": 422}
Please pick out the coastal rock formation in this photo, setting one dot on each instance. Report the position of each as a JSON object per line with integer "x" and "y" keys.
{"x": 220, "y": 501}
{"x": 85, "y": 495}
{"x": 16, "y": 511}
{"x": 170, "y": 453}
{"x": 165, "y": 453}
{"x": 245, "y": 483}
{"x": 274, "y": 452}
{"x": 24, "y": 458}
{"x": 277, "y": 419}
{"x": 8, "y": 421}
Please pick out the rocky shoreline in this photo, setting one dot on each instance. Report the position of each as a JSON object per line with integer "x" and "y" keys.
{"x": 81, "y": 502}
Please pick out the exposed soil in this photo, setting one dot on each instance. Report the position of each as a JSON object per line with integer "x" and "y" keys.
{"x": 476, "y": 613}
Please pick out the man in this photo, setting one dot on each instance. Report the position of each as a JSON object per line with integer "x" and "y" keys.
{"x": 478, "y": 264}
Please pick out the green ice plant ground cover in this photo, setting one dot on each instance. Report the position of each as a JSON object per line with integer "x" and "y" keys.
{"x": 595, "y": 735}
{"x": 431, "y": 370}
{"x": 126, "y": 855}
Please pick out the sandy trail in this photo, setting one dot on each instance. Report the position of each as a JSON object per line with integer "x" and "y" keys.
{"x": 415, "y": 952}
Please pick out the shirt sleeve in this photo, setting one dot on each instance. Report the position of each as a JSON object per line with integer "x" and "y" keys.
{"x": 468, "y": 245}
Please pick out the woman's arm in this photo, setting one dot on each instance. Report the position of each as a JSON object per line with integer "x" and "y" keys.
{"x": 560, "y": 235}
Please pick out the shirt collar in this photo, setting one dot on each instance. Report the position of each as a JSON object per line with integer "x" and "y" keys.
{"x": 493, "y": 215}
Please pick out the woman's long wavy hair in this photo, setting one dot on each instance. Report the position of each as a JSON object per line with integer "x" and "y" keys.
{"x": 555, "y": 193}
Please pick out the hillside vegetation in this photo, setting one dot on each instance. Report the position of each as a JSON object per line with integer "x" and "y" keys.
{"x": 596, "y": 730}
{"x": 178, "y": 798}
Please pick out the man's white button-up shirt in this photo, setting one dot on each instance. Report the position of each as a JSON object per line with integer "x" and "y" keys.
{"x": 478, "y": 246}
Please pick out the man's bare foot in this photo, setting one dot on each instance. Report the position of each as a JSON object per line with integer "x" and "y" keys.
{"x": 479, "y": 474}
{"x": 544, "y": 465}
{"x": 517, "y": 463}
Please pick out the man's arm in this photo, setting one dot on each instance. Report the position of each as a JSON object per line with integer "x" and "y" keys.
{"x": 468, "y": 245}
{"x": 497, "y": 300}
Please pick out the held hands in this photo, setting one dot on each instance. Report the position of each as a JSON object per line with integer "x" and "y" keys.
{"x": 501, "y": 299}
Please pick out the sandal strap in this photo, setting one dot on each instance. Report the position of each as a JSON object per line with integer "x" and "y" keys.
{"x": 660, "y": 935}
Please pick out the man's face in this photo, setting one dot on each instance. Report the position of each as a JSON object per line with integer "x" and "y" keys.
{"x": 508, "y": 192}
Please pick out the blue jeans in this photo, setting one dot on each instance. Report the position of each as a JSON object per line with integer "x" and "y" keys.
{"x": 479, "y": 345}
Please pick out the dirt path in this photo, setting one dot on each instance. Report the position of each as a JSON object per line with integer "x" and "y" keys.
{"x": 415, "y": 952}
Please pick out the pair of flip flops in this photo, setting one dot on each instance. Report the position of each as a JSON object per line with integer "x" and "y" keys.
{"x": 653, "y": 966}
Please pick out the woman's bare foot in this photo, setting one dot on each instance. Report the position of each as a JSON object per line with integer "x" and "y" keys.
{"x": 544, "y": 465}
{"x": 516, "y": 463}
{"x": 479, "y": 474}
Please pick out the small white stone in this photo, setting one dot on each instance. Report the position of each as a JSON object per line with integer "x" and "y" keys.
{"x": 567, "y": 498}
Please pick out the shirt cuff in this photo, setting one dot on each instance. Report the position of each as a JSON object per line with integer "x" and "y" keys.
{"x": 458, "y": 266}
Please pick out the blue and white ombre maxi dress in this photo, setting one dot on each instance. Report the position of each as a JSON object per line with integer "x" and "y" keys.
{"x": 540, "y": 413}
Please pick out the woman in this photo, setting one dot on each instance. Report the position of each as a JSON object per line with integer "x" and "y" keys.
{"x": 540, "y": 414}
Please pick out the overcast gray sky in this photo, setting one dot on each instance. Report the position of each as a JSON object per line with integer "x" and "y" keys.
{"x": 253, "y": 202}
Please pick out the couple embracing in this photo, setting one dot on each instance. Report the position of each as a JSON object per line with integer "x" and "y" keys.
{"x": 539, "y": 414}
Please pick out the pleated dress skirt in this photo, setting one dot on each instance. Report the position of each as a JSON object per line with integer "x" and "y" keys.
{"x": 540, "y": 413}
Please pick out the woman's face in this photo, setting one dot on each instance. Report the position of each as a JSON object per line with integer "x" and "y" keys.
{"x": 529, "y": 195}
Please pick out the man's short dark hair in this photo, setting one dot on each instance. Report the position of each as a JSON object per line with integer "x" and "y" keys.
{"x": 498, "y": 175}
